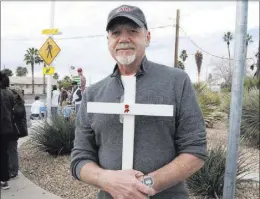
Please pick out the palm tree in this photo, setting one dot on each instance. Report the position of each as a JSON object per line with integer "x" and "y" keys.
{"x": 180, "y": 65}
{"x": 249, "y": 39}
{"x": 227, "y": 38}
{"x": 198, "y": 59}
{"x": 32, "y": 57}
{"x": 183, "y": 57}
{"x": 21, "y": 71}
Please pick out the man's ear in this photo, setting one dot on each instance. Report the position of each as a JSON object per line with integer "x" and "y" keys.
{"x": 148, "y": 38}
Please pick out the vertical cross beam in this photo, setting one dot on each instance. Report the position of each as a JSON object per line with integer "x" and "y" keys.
{"x": 129, "y": 124}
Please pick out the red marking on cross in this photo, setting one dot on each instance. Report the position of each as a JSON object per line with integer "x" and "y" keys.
{"x": 124, "y": 8}
{"x": 127, "y": 108}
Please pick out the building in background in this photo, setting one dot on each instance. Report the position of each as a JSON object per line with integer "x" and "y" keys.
{"x": 25, "y": 84}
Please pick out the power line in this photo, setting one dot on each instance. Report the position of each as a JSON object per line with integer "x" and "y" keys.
{"x": 216, "y": 56}
{"x": 77, "y": 37}
{"x": 100, "y": 35}
{"x": 200, "y": 47}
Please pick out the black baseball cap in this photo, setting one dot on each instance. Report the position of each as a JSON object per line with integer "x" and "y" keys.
{"x": 131, "y": 12}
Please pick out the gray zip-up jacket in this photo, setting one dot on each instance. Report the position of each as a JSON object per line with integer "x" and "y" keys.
{"x": 158, "y": 140}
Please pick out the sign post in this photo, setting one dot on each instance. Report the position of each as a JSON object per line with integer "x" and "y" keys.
{"x": 48, "y": 53}
{"x": 236, "y": 100}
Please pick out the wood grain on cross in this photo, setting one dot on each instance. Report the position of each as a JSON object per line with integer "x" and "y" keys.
{"x": 129, "y": 109}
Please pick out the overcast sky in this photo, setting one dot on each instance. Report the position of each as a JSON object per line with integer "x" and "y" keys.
{"x": 204, "y": 24}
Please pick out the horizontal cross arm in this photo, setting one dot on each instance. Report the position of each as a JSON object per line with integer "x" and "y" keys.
{"x": 133, "y": 109}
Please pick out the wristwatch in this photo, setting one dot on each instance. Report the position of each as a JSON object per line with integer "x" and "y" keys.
{"x": 148, "y": 180}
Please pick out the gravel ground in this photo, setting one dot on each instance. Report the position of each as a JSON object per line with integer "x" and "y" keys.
{"x": 53, "y": 174}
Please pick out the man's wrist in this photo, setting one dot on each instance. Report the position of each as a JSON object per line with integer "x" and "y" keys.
{"x": 102, "y": 179}
{"x": 155, "y": 182}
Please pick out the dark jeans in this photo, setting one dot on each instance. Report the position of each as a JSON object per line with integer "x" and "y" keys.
{"x": 77, "y": 107}
{"x": 4, "y": 162}
{"x": 13, "y": 158}
{"x": 54, "y": 111}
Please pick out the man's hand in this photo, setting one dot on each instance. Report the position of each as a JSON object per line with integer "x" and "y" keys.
{"x": 124, "y": 184}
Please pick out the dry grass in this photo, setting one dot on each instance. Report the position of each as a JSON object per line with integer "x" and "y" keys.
{"x": 53, "y": 174}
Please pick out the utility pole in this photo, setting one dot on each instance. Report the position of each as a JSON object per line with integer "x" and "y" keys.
{"x": 49, "y": 76}
{"x": 177, "y": 38}
{"x": 236, "y": 100}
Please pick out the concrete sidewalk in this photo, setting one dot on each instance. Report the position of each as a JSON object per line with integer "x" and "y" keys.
{"x": 23, "y": 188}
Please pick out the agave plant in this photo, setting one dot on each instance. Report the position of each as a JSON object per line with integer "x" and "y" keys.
{"x": 209, "y": 180}
{"x": 250, "y": 122}
{"x": 209, "y": 103}
{"x": 56, "y": 137}
{"x": 198, "y": 59}
{"x": 250, "y": 83}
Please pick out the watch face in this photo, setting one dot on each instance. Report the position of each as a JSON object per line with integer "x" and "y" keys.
{"x": 148, "y": 181}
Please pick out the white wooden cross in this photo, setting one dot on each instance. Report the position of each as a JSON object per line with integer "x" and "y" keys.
{"x": 129, "y": 109}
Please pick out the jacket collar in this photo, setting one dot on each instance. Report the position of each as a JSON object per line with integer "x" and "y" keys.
{"x": 143, "y": 69}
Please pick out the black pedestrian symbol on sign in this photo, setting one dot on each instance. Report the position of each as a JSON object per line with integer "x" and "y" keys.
{"x": 49, "y": 48}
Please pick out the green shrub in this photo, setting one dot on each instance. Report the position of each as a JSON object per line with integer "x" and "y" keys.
{"x": 225, "y": 87}
{"x": 225, "y": 102}
{"x": 55, "y": 137}
{"x": 209, "y": 180}
{"x": 200, "y": 88}
{"x": 251, "y": 82}
{"x": 209, "y": 103}
{"x": 250, "y": 122}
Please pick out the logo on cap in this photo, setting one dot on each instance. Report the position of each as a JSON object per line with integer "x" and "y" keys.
{"x": 124, "y": 9}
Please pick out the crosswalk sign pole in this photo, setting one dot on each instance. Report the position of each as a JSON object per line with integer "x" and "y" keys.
{"x": 49, "y": 76}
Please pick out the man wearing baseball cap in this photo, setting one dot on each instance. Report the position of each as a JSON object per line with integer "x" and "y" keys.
{"x": 167, "y": 150}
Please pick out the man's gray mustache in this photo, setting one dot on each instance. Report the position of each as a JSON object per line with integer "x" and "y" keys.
{"x": 124, "y": 46}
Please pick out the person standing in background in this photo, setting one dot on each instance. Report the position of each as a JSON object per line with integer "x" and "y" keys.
{"x": 6, "y": 107}
{"x": 54, "y": 100}
{"x": 76, "y": 96}
{"x": 82, "y": 80}
{"x": 19, "y": 128}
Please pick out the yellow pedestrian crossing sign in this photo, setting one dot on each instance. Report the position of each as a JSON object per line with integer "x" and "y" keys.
{"x": 49, "y": 51}
{"x": 48, "y": 70}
